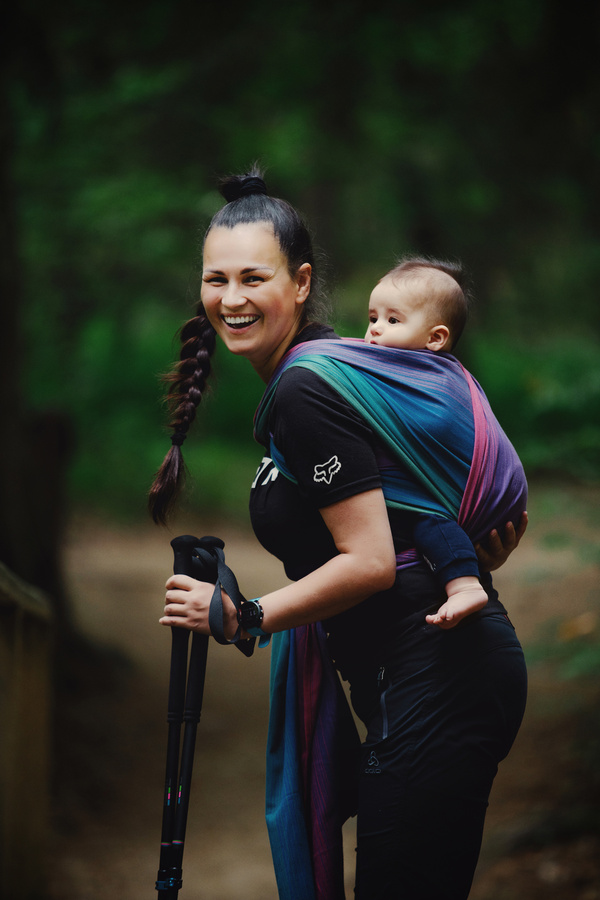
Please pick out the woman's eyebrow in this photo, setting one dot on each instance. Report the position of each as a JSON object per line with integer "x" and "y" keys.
{"x": 244, "y": 271}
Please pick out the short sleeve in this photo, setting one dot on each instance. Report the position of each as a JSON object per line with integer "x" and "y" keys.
{"x": 326, "y": 445}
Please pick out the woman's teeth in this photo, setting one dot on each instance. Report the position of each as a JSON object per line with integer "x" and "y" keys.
{"x": 239, "y": 321}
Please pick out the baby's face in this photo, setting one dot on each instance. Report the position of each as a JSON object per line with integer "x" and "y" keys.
{"x": 397, "y": 315}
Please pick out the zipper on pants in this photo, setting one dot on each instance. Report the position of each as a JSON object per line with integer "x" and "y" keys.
{"x": 382, "y": 706}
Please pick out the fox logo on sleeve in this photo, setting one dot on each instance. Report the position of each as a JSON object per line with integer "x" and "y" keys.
{"x": 326, "y": 471}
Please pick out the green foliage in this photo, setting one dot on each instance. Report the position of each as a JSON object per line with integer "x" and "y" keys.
{"x": 546, "y": 394}
{"x": 570, "y": 656}
{"x": 566, "y": 519}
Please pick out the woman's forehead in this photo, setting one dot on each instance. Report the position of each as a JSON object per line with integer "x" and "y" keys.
{"x": 246, "y": 245}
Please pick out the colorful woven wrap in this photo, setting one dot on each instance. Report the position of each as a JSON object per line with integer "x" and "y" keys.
{"x": 447, "y": 455}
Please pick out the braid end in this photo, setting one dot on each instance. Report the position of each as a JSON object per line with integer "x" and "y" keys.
{"x": 166, "y": 486}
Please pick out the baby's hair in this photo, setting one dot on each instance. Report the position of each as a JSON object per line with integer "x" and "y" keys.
{"x": 450, "y": 300}
{"x": 248, "y": 202}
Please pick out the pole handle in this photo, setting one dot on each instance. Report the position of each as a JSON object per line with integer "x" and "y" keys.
{"x": 187, "y": 561}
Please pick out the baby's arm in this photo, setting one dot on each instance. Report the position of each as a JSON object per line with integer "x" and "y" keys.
{"x": 450, "y": 554}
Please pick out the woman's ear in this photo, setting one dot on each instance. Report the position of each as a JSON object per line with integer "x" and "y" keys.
{"x": 303, "y": 280}
{"x": 439, "y": 337}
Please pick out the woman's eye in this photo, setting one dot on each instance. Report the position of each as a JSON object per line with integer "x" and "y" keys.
{"x": 214, "y": 279}
{"x": 254, "y": 278}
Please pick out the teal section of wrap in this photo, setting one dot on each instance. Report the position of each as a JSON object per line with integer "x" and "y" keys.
{"x": 286, "y": 823}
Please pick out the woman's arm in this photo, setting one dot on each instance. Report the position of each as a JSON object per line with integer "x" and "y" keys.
{"x": 365, "y": 564}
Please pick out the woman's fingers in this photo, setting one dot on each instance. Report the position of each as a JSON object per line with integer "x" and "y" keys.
{"x": 177, "y": 621}
{"x": 510, "y": 537}
{"x": 182, "y": 583}
{"x": 497, "y": 550}
{"x": 523, "y": 523}
{"x": 187, "y": 603}
{"x": 175, "y": 608}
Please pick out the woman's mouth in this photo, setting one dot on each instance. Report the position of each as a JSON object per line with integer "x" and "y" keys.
{"x": 239, "y": 321}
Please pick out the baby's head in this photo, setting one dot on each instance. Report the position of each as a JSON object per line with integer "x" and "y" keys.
{"x": 419, "y": 305}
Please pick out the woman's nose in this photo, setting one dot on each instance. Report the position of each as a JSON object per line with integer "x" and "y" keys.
{"x": 233, "y": 296}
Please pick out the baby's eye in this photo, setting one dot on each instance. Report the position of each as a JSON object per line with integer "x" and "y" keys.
{"x": 372, "y": 319}
{"x": 393, "y": 320}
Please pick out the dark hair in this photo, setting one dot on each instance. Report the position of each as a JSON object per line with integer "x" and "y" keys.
{"x": 452, "y": 304}
{"x": 247, "y": 202}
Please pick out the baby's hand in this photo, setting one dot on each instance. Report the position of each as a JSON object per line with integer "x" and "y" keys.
{"x": 460, "y": 604}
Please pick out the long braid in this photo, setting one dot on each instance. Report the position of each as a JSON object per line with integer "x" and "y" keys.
{"x": 187, "y": 382}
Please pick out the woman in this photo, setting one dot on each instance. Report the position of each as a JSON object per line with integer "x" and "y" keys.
{"x": 441, "y": 708}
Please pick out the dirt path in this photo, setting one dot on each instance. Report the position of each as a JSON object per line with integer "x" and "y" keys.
{"x": 108, "y": 813}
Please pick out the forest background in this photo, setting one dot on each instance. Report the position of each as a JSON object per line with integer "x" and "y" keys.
{"x": 464, "y": 130}
{"x": 461, "y": 130}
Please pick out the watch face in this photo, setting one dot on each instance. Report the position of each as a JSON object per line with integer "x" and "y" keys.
{"x": 251, "y": 615}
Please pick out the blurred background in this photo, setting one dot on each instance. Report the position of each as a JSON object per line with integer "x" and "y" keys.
{"x": 461, "y": 130}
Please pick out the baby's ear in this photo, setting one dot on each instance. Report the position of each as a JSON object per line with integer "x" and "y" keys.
{"x": 439, "y": 337}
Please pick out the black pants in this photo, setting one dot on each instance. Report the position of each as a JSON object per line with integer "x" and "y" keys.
{"x": 440, "y": 716}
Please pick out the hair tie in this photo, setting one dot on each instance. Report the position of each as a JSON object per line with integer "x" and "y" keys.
{"x": 177, "y": 438}
{"x": 252, "y": 184}
{"x": 237, "y": 186}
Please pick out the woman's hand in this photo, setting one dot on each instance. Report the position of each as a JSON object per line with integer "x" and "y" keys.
{"x": 187, "y": 604}
{"x": 497, "y": 550}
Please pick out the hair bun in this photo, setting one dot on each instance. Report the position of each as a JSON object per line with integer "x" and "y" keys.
{"x": 237, "y": 186}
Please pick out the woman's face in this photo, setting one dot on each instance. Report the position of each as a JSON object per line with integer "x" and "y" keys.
{"x": 250, "y": 299}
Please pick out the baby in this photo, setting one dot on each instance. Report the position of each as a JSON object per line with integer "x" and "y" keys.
{"x": 420, "y": 305}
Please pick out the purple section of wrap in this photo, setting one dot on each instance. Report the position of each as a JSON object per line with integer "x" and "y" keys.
{"x": 496, "y": 489}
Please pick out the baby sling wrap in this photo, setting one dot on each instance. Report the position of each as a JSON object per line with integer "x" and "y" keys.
{"x": 454, "y": 461}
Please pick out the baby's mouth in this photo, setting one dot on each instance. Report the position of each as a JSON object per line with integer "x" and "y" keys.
{"x": 239, "y": 321}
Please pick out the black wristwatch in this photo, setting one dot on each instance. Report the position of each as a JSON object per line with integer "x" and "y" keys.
{"x": 250, "y": 616}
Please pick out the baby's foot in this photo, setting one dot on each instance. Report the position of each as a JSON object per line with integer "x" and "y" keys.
{"x": 457, "y": 607}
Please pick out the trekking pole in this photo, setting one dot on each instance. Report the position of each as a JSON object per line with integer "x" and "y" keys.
{"x": 202, "y": 559}
{"x": 193, "y": 557}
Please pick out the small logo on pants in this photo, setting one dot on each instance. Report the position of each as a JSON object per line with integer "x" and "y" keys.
{"x": 373, "y": 767}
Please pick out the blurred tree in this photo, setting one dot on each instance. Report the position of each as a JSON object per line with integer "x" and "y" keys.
{"x": 34, "y": 446}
